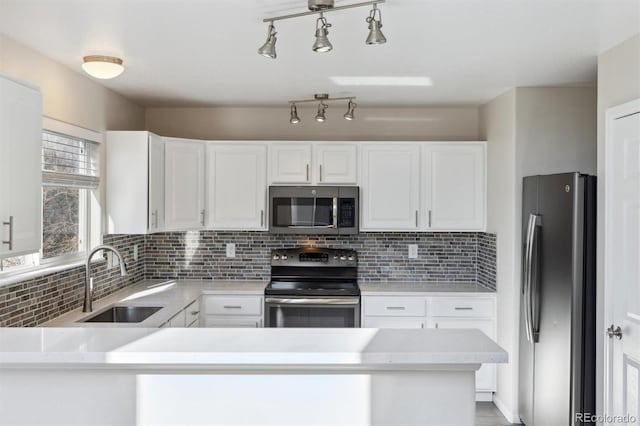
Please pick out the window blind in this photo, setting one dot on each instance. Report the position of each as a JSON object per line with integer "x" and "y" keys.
{"x": 69, "y": 162}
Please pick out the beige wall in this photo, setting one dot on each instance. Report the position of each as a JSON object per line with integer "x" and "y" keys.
{"x": 498, "y": 127}
{"x": 67, "y": 95}
{"x": 529, "y": 131}
{"x": 272, "y": 123}
{"x": 618, "y": 82}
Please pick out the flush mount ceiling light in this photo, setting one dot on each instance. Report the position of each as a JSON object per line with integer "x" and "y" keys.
{"x": 320, "y": 7}
{"x": 322, "y": 99}
{"x": 102, "y": 67}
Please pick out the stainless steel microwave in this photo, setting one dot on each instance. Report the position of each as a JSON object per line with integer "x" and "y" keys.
{"x": 331, "y": 210}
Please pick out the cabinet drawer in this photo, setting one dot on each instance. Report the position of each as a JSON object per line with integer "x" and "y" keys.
{"x": 462, "y": 307}
{"x": 232, "y": 305}
{"x": 233, "y": 322}
{"x": 395, "y": 306}
{"x": 192, "y": 313}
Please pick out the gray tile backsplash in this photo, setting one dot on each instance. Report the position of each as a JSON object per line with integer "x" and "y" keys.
{"x": 34, "y": 301}
{"x": 442, "y": 257}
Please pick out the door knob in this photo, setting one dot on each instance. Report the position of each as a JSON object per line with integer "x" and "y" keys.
{"x": 614, "y": 332}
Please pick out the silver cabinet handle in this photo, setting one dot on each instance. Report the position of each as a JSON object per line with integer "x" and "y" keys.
{"x": 194, "y": 312}
{"x": 614, "y": 332}
{"x": 202, "y": 217}
{"x": 154, "y": 222}
{"x": 261, "y": 217}
{"x": 320, "y": 172}
{"x": 232, "y": 307}
{"x": 416, "y": 218}
{"x": 10, "y": 225}
{"x": 463, "y": 308}
{"x": 307, "y": 172}
{"x": 396, "y": 308}
{"x": 429, "y": 218}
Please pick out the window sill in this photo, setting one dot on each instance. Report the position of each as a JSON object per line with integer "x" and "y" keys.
{"x": 42, "y": 270}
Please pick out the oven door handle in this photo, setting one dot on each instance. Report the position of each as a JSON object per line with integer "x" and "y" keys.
{"x": 313, "y": 301}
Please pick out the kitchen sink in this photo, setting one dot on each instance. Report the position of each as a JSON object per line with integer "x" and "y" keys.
{"x": 123, "y": 314}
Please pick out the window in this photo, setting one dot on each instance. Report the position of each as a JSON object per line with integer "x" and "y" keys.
{"x": 70, "y": 179}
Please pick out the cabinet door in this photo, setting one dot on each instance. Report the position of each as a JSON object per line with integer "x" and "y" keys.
{"x": 156, "y": 183}
{"x": 392, "y": 322}
{"x": 390, "y": 187}
{"x": 233, "y": 322}
{"x": 291, "y": 163}
{"x": 486, "y": 375}
{"x": 335, "y": 163}
{"x": 454, "y": 186}
{"x": 21, "y": 164}
{"x": 184, "y": 185}
{"x": 236, "y": 186}
{"x": 178, "y": 320}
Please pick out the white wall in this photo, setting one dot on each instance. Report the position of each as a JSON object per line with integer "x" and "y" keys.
{"x": 618, "y": 82}
{"x": 498, "y": 127}
{"x": 529, "y": 131}
{"x": 272, "y": 123}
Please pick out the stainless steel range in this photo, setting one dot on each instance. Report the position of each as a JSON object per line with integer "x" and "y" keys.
{"x": 312, "y": 287}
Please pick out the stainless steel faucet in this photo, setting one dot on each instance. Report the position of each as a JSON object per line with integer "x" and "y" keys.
{"x": 88, "y": 283}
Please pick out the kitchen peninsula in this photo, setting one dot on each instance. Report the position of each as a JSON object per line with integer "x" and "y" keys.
{"x": 241, "y": 376}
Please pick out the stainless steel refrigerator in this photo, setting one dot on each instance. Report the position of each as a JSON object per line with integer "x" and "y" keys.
{"x": 557, "y": 299}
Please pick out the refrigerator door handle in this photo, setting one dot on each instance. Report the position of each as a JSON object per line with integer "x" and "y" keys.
{"x": 534, "y": 285}
{"x": 534, "y": 221}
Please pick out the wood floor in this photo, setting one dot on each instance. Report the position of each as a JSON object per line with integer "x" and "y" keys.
{"x": 488, "y": 415}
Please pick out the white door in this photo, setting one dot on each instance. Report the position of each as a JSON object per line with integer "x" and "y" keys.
{"x": 236, "y": 186}
{"x": 291, "y": 163}
{"x": 21, "y": 187}
{"x": 453, "y": 177}
{"x": 622, "y": 261}
{"x": 390, "y": 187}
{"x": 486, "y": 375}
{"x": 184, "y": 185}
{"x": 156, "y": 183}
{"x": 335, "y": 163}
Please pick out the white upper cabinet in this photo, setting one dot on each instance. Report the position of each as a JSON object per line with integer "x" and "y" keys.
{"x": 453, "y": 186}
{"x": 390, "y": 186}
{"x": 184, "y": 185}
{"x": 335, "y": 163}
{"x": 291, "y": 163}
{"x": 20, "y": 168}
{"x": 135, "y": 182}
{"x": 236, "y": 186}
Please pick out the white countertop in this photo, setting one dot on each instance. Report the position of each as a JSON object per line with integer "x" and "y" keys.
{"x": 245, "y": 349}
{"x": 172, "y": 295}
{"x": 392, "y": 288}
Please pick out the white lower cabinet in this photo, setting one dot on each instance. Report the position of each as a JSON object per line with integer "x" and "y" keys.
{"x": 231, "y": 311}
{"x": 442, "y": 311}
{"x": 186, "y": 317}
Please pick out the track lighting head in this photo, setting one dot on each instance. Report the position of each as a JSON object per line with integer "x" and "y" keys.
{"x": 322, "y": 43}
{"x": 321, "y": 116}
{"x": 375, "y": 33}
{"x": 268, "y": 49}
{"x": 351, "y": 106}
{"x": 294, "y": 115}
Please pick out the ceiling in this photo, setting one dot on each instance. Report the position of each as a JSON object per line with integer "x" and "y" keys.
{"x": 203, "y": 52}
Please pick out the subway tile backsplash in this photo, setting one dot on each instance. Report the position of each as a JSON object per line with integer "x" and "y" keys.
{"x": 442, "y": 257}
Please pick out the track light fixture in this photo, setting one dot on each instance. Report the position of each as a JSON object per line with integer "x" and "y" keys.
{"x": 322, "y": 43}
{"x": 320, "y": 7}
{"x": 351, "y": 106}
{"x": 375, "y": 33}
{"x": 294, "y": 115}
{"x": 322, "y": 99}
{"x": 268, "y": 49}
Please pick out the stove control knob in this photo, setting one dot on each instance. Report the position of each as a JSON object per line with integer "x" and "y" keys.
{"x": 276, "y": 257}
{"x": 343, "y": 257}
{"x": 283, "y": 257}
{"x": 350, "y": 258}
{"x": 335, "y": 257}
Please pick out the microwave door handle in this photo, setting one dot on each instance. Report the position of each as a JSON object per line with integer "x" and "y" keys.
{"x": 335, "y": 212}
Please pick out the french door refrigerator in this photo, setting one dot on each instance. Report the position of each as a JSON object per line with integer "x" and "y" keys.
{"x": 557, "y": 315}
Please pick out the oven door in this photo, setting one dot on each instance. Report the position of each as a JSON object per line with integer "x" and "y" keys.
{"x": 327, "y": 312}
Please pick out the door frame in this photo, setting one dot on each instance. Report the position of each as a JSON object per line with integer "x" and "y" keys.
{"x": 604, "y": 366}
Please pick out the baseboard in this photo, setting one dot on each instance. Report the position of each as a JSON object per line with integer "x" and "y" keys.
{"x": 511, "y": 417}
{"x": 484, "y": 396}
